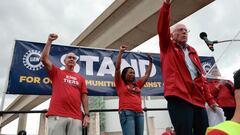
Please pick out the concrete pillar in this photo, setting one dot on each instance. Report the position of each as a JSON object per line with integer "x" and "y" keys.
{"x": 42, "y": 125}
{"x": 22, "y": 122}
{"x": 94, "y": 128}
{"x": 151, "y": 126}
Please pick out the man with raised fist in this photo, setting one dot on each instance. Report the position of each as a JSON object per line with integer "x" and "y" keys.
{"x": 69, "y": 92}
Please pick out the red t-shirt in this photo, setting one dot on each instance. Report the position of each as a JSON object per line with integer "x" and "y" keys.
{"x": 129, "y": 95}
{"x": 67, "y": 89}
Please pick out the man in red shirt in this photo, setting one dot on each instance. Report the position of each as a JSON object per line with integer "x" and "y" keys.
{"x": 185, "y": 87}
{"x": 69, "y": 92}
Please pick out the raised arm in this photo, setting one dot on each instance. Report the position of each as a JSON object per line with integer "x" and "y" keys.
{"x": 148, "y": 71}
{"x": 118, "y": 62}
{"x": 45, "y": 53}
{"x": 164, "y": 26}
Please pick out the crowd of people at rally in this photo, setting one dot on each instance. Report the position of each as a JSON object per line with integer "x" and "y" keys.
{"x": 186, "y": 89}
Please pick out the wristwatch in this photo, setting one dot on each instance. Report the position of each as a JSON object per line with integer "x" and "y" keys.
{"x": 87, "y": 114}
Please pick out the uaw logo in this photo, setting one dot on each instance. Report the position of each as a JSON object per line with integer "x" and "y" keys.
{"x": 31, "y": 60}
{"x": 206, "y": 66}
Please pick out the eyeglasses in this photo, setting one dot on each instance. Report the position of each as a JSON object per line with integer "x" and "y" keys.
{"x": 182, "y": 30}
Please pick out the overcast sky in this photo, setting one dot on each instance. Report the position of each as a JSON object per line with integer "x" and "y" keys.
{"x": 33, "y": 20}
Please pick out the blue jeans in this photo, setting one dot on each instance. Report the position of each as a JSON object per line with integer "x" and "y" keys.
{"x": 132, "y": 123}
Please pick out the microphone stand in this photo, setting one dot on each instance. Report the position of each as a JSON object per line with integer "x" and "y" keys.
{"x": 203, "y": 36}
{"x": 226, "y": 41}
{"x": 211, "y": 47}
{"x": 216, "y": 42}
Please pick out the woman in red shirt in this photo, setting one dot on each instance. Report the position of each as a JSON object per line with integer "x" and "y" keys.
{"x": 129, "y": 92}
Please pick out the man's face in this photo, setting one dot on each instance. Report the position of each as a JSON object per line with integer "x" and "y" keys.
{"x": 70, "y": 60}
{"x": 180, "y": 34}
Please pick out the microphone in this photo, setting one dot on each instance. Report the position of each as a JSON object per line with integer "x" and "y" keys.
{"x": 209, "y": 43}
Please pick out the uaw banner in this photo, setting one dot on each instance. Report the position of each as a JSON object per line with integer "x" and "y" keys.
{"x": 28, "y": 75}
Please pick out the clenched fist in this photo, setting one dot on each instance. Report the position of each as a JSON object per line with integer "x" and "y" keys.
{"x": 123, "y": 48}
{"x": 52, "y": 37}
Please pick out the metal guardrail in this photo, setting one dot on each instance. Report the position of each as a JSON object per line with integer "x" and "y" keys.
{"x": 93, "y": 110}
{"x": 17, "y": 112}
{"x": 145, "y": 109}
{"x": 84, "y": 131}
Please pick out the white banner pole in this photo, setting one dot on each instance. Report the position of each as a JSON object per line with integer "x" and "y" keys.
{"x": 3, "y": 95}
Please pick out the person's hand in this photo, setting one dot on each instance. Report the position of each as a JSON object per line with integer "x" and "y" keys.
{"x": 214, "y": 107}
{"x": 52, "y": 37}
{"x": 86, "y": 120}
{"x": 123, "y": 48}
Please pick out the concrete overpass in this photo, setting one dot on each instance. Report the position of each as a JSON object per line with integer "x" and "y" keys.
{"x": 126, "y": 21}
